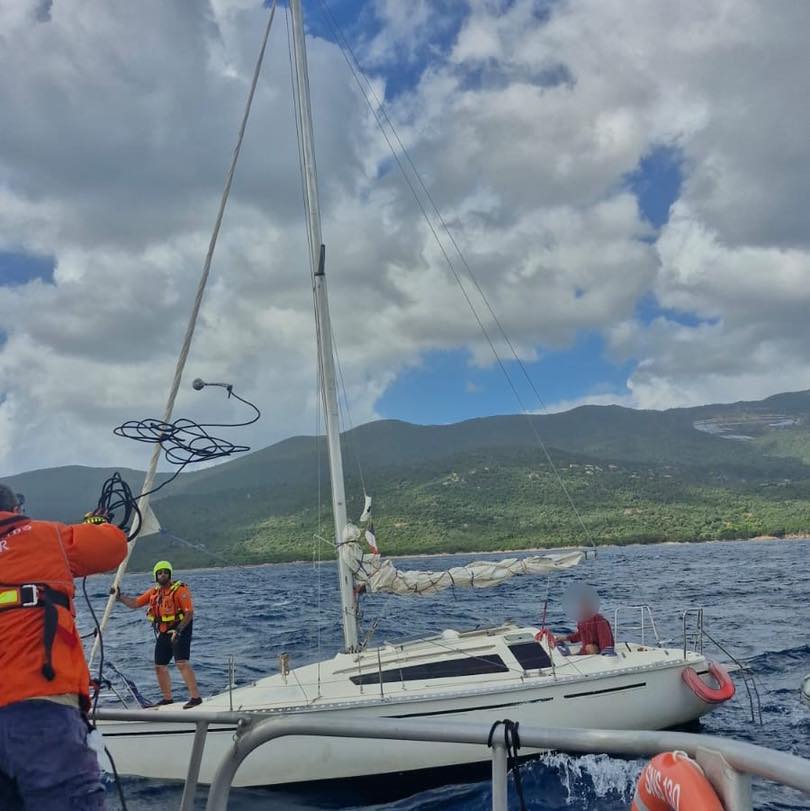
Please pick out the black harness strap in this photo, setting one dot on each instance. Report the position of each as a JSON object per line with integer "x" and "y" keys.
{"x": 48, "y": 600}
{"x": 51, "y": 598}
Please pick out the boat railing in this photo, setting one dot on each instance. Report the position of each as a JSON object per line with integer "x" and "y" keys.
{"x": 645, "y": 627}
{"x": 728, "y": 764}
{"x": 693, "y": 630}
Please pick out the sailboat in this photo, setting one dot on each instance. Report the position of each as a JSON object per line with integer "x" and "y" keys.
{"x": 481, "y": 675}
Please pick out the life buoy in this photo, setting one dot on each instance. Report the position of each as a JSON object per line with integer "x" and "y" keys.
{"x": 673, "y": 780}
{"x": 711, "y": 695}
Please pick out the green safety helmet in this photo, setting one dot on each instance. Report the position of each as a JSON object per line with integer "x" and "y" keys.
{"x": 159, "y": 566}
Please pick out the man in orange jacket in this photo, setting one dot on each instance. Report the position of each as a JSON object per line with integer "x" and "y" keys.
{"x": 171, "y": 611}
{"x": 45, "y": 762}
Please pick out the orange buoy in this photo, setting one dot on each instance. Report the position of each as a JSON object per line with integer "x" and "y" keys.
{"x": 672, "y": 781}
{"x": 711, "y": 695}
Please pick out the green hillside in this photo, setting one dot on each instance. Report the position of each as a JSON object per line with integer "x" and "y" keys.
{"x": 724, "y": 471}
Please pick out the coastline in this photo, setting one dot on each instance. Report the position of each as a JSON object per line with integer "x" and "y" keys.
{"x": 519, "y": 551}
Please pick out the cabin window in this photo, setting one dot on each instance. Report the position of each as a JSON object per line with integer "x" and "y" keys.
{"x": 530, "y": 655}
{"x": 468, "y": 666}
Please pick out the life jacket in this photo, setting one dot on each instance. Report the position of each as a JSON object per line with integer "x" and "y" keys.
{"x": 164, "y": 609}
{"x": 40, "y": 648}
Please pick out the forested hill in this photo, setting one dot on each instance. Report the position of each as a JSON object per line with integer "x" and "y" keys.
{"x": 719, "y": 471}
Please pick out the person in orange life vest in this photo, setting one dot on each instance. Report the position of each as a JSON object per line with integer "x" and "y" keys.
{"x": 593, "y": 630}
{"x": 171, "y": 612}
{"x": 45, "y": 762}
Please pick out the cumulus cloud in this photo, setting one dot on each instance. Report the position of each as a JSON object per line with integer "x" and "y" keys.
{"x": 525, "y": 120}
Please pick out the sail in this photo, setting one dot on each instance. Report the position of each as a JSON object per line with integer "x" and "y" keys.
{"x": 378, "y": 574}
{"x": 149, "y": 522}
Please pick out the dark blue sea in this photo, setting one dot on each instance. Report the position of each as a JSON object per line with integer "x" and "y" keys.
{"x": 756, "y": 600}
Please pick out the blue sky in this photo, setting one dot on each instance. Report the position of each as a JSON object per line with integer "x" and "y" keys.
{"x": 19, "y": 267}
{"x": 447, "y": 387}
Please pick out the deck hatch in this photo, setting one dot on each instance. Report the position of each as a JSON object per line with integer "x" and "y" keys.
{"x": 530, "y": 655}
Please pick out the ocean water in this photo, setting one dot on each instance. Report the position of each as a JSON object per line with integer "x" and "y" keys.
{"x": 755, "y": 596}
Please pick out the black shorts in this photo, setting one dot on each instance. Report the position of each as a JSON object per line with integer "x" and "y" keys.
{"x": 180, "y": 650}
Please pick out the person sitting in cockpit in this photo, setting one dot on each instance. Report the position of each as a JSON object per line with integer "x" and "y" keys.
{"x": 593, "y": 630}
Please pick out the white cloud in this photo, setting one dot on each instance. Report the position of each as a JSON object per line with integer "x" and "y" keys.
{"x": 119, "y": 121}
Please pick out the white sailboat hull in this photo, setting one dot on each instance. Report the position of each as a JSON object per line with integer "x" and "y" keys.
{"x": 642, "y": 690}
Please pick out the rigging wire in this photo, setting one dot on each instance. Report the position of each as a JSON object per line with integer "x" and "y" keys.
{"x": 382, "y": 118}
{"x": 97, "y": 692}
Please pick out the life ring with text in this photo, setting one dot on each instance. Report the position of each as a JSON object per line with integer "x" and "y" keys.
{"x": 672, "y": 780}
{"x": 711, "y": 695}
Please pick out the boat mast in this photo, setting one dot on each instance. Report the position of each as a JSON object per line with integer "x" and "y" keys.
{"x": 326, "y": 357}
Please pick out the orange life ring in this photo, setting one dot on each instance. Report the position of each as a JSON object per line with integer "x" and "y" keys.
{"x": 673, "y": 780}
{"x": 711, "y": 695}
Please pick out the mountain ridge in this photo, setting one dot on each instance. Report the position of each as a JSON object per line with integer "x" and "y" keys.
{"x": 480, "y": 484}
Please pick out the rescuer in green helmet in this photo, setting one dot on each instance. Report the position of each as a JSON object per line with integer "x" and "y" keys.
{"x": 171, "y": 612}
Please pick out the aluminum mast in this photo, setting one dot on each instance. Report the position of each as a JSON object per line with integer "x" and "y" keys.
{"x": 326, "y": 357}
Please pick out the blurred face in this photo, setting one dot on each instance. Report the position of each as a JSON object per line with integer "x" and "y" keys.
{"x": 585, "y": 610}
{"x": 163, "y": 576}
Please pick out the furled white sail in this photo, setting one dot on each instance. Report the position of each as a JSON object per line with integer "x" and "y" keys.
{"x": 379, "y": 574}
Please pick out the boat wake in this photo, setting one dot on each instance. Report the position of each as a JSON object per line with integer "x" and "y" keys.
{"x": 588, "y": 777}
{"x": 553, "y": 781}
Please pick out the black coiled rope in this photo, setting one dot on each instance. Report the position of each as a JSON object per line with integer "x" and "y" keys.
{"x": 183, "y": 442}
{"x": 117, "y": 504}
{"x": 511, "y": 741}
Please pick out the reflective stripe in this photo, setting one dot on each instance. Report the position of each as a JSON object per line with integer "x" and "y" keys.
{"x": 10, "y": 597}
{"x": 152, "y": 613}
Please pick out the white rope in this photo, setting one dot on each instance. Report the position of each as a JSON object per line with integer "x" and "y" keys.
{"x": 149, "y": 479}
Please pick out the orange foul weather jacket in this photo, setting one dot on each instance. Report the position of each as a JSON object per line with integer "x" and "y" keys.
{"x": 38, "y": 561}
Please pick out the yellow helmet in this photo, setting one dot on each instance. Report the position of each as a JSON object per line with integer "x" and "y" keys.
{"x": 160, "y": 566}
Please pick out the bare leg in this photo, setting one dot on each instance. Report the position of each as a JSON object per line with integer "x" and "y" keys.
{"x": 590, "y": 649}
{"x": 164, "y": 680}
{"x": 189, "y": 678}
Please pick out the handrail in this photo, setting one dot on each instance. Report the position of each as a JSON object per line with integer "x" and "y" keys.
{"x": 644, "y": 608}
{"x": 698, "y": 613}
{"x": 255, "y": 729}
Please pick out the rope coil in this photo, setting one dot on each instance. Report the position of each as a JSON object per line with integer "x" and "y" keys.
{"x": 183, "y": 442}
{"x": 511, "y": 742}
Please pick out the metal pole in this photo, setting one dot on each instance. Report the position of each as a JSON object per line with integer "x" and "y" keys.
{"x": 326, "y": 356}
{"x": 194, "y": 762}
{"x": 500, "y": 787}
{"x": 744, "y": 757}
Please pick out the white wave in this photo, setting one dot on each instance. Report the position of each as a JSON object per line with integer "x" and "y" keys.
{"x": 603, "y": 775}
